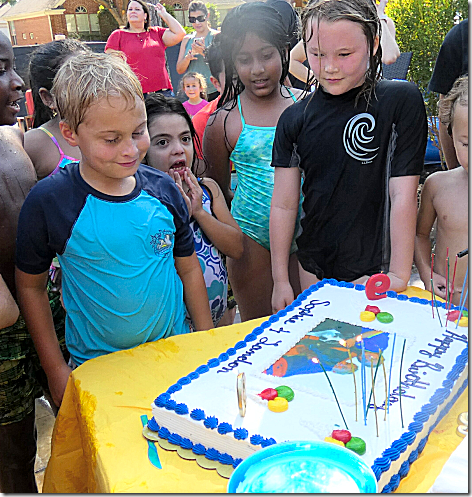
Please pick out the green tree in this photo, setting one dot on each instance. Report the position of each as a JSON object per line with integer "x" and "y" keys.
{"x": 421, "y": 26}
{"x": 214, "y": 15}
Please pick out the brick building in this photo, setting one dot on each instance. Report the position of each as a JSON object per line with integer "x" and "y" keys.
{"x": 34, "y": 22}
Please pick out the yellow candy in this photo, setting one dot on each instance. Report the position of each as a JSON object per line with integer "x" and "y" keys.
{"x": 464, "y": 321}
{"x": 333, "y": 440}
{"x": 279, "y": 404}
{"x": 367, "y": 316}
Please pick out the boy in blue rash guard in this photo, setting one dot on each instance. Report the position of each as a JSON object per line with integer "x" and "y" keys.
{"x": 120, "y": 229}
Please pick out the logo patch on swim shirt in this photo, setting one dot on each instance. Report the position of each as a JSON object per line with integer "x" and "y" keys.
{"x": 161, "y": 242}
{"x": 358, "y": 135}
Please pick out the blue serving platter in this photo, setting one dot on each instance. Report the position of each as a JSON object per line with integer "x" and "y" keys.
{"x": 303, "y": 467}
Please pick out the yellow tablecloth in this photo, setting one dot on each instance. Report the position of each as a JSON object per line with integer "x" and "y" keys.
{"x": 97, "y": 445}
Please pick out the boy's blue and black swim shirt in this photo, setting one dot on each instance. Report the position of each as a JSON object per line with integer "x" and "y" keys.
{"x": 120, "y": 286}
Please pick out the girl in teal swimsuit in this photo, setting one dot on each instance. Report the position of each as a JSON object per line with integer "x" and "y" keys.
{"x": 254, "y": 46}
{"x": 44, "y": 144}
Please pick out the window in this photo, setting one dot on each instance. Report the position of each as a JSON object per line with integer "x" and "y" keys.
{"x": 81, "y": 22}
{"x": 32, "y": 36}
{"x": 24, "y": 36}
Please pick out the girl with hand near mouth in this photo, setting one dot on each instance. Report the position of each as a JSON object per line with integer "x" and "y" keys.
{"x": 254, "y": 45}
{"x": 216, "y": 233}
{"x": 194, "y": 86}
{"x": 359, "y": 141}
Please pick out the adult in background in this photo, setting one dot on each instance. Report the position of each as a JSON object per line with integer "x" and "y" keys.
{"x": 191, "y": 55}
{"x": 452, "y": 62}
{"x": 145, "y": 45}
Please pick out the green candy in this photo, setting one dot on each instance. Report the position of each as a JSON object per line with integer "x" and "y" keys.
{"x": 465, "y": 314}
{"x": 285, "y": 392}
{"x": 385, "y": 317}
{"x": 357, "y": 445}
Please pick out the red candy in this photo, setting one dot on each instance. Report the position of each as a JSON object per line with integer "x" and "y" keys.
{"x": 341, "y": 435}
{"x": 268, "y": 394}
{"x": 452, "y": 315}
{"x": 372, "y": 308}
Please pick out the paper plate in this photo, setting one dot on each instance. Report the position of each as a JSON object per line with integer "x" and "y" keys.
{"x": 303, "y": 466}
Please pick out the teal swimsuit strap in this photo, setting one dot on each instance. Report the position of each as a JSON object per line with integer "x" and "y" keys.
{"x": 241, "y": 112}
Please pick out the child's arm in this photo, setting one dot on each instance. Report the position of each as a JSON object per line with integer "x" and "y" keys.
{"x": 9, "y": 311}
{"x": 195, "y": 292}
{"x": 34, "y": 303}
{"x": 216, "y": 152}
{"x": 402, "y": 229}
{"x": 283, "y": 215}
{"x": 426, "y": 217}
{"x": 296, "y": 67}
{"x": 223, "y": 231}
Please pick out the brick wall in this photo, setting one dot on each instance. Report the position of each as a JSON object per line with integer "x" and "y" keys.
{"x": 71, "y": 5}
{"x": 36, "y": 30}
{"x": 59, "y": 26}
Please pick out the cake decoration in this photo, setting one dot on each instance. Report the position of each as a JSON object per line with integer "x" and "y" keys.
{"x": 334, "y": 441}
{"x": 279, "y": 404}
{"x": 241, "y": 392}
{"x": 367, "y": 316}
{"x": 323, "y": 322}
{"x": 377, "y": 286}
{"x": 268, "y": 394}
{"x": 285, "y": 392}
{"x": 385, "y": 317}
{"x": 342, "y": 435}
{"x": 357, "y": 445}
{"x": 372, "y": 308}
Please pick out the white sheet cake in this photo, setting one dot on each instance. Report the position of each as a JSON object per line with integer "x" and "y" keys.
{"x": 200, "y": 412}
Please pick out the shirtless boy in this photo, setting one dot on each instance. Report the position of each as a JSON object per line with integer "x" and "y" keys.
{"x": 445, "y": 197}
{"x": 17, "y": 386}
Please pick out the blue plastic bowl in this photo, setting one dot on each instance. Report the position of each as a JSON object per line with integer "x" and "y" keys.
{"x": 303, "y": 467}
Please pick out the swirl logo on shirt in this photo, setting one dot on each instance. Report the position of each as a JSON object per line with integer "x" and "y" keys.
{"x": 161, "y": 242}
{"x": 358, "y": 134}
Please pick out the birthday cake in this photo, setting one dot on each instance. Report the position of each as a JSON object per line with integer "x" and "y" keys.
{"x": 332, "y": 370}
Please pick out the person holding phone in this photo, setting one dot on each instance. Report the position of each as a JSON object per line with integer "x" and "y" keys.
{"x": 191, "y": 55}
{"x": 144, "y": 45}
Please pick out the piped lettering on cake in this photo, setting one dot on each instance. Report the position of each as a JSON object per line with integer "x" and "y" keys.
{"x": 243, "y": 358}
{"x": 305, "y": 311}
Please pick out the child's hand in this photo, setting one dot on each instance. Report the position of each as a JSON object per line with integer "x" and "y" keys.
{"x": 194, "y": 193}
{"x": 178, "y": 181}
{"x": 282, "y": 296}
{"x": 397, "y": 284}
{"x": 439, "y": 283}
{"x": 57, "y": 383}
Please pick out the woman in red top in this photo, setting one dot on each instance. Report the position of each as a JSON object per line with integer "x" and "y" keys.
{"x": 144, "y": 45}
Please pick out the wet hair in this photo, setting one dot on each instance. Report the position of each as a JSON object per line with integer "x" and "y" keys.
{"x": 362, "y": 12}
{"x": 201, "y": 80}
{"x": 214, "y": 57}
{"x": 458, "y": 95}
{"x": 158, "y": 105}
{"x": 257, "y": 18}
{"x": 197, "y": 5}
{"x": 44, "y": 63}
{"x": 147, "y": 22}
{"x": 85, "y": 78}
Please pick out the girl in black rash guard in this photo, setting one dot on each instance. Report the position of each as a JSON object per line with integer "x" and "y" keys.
{"x": 359, "y": 142}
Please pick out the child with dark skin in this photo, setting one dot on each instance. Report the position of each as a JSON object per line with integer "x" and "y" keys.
{"x": 17, "y": 176}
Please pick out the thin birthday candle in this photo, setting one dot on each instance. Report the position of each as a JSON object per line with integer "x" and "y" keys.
{"x": 373, "y": 391}
{"x": 390, "y": 372}
{"x": 344, "y": 344}
{"x": 386, "y": 393}
{"x": 432, "y": 287}
{"x": 453, "y": 281}
{"x": 317, "y": 361}
{"x": 400, "y": 382}
{"x": 364, "y": 386}
{"x": 447, "y": 279}
{"x": 432, "y": 291}
{"x": 462, "y": 301}
{"x": 379, "y": 360}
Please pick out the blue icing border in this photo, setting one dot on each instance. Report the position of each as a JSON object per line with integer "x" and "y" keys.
{"x": 398, "y": 446}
